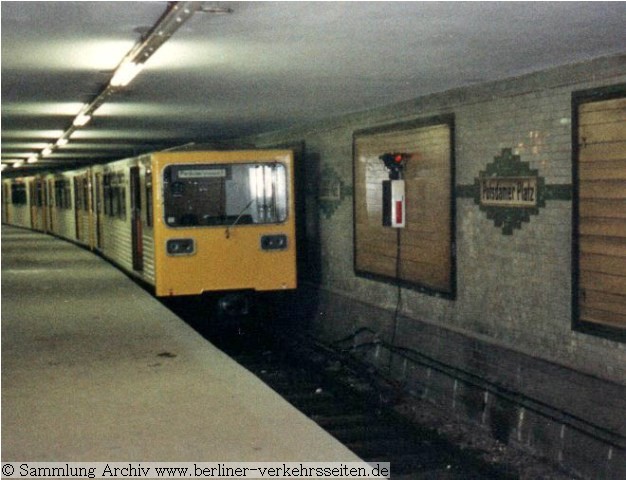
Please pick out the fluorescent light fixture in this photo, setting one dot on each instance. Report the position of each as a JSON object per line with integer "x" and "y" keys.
{"x": 215, "y": 10}
{"x": 18, "y": 164}
{"x": 29, "y": 134}
{"x": 125, "y": 73}
{"x": 176, "y": 14}
{"x": 81, "y": 120}
{"x": 3, "y": 166}
{"x": 46, "y": 151}
{"x": 33, "y": 159}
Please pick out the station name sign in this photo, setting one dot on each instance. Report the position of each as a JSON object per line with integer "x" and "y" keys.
{"x": 518, "y": 192}
{"x": 509, "y": 191}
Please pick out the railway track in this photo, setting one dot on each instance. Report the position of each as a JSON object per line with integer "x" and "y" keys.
{"x": 343, "y": 400}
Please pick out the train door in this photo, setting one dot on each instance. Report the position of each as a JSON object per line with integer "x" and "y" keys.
{"x": 33, "y": 204}
{"x": 98, "y": 201}
{"x": 42, "y": 197}
{"x": 49, "y": 204}
{"x": 6, "y": 196}
{"x": 77, "y": 206}
{"x": 88, "y": 195}
{"x": 135, "y": 209}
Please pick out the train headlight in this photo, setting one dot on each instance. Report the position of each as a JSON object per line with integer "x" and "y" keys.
{"x": 274, "y": 242}
{"x": 180, "y": 246}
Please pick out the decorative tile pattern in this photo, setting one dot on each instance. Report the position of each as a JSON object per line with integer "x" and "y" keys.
{"x": 507, "y": 165}
{"x": 332, "y": 191}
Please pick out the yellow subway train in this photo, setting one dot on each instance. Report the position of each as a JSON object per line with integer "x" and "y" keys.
{"x": 186, "y": 222}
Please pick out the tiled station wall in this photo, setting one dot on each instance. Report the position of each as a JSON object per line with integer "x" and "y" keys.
{"x": 509, "y": 327}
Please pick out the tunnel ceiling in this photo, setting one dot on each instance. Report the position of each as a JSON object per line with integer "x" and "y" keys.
{"x": 240, "y": 68}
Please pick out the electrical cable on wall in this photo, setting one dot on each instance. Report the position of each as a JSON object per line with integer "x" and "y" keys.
{"x": 466, "y": 376}
{"x": 396, "y": 314}
{"x": 394, "y": 215}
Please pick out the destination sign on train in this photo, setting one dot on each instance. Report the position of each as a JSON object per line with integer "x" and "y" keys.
{"x": 202, "y": 173}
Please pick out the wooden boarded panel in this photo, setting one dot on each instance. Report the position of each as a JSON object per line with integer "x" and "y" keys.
{"x": 425, "y": 242}
{"x": 602, "y": 189}
{"x": 603, "y": 227}
{"x": 602, "y": 213}
{"x": 605, "y": 105}
{"x": 605, "y": 302}
{"x": 603, "y": 133}
{"x": 614, "y": 247}
{"x": 604, "y": 283}
{"x": 601, "y": 152}
{"x": 601, "y": 170}
{"x": 603, "y": 208}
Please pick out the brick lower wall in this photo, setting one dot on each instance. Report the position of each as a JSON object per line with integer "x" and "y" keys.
{"x": 570, "y": 418}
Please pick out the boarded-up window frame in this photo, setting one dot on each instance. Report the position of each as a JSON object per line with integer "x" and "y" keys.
{"x": 390, "y": 242}
{"x": 583, "y": 228}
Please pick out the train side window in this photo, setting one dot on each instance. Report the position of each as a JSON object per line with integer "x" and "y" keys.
{"x": 18, "y": 194}
{"x": 114, "y": 196}
{"x": 122, "y": 200}
{"x": 78, "y": 194}
{"x": 213, "y": 195}
{"x": 5, "y": 197}
{"x": 67, "y": 189}
{"x": 85, "y": 193}
{"x": 39, "y": 200}
{"x": 58, "y": 194}
{"x": 111, "y": 198}
{"x": 106, "y": 192}
{"x": 62, "y": 194}
{"x": 121, "y": 196}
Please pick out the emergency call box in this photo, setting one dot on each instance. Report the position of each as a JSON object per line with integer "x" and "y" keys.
{"x": 394, "y": 209}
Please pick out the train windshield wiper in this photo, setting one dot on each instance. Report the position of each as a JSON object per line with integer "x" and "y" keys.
{"x": 227, "y": 232}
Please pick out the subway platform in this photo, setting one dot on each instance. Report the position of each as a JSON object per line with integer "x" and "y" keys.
{"x": 95, "y": 369}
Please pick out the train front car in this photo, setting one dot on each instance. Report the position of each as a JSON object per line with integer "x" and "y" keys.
{"x": 223, "y": 222}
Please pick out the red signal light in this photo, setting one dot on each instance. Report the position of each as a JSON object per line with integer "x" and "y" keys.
{"x": 394, "y": 163}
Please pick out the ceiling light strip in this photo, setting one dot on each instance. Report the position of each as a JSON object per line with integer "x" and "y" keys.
{"x": 174, "y": 17}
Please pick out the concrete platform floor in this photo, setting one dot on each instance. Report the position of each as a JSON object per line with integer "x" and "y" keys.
{"x": 95, "y": 369}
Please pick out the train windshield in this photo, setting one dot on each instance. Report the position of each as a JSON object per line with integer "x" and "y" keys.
{"x": 233, "y": 194}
